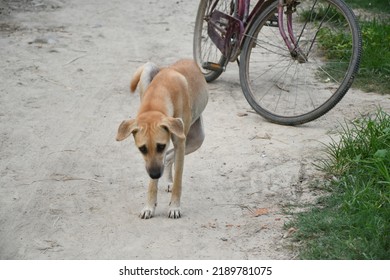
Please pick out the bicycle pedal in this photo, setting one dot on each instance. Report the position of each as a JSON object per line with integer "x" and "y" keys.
{"x": 212, "y": 66}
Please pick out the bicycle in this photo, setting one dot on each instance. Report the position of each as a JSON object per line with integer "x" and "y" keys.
{"x": 297, "y": 59}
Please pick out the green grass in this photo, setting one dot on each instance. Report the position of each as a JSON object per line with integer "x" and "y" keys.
{"x": 378, "y": 6}
{"x": 322, "y": 13}
{"x": 353, "y": 220}
{"x": 374, "y": 72}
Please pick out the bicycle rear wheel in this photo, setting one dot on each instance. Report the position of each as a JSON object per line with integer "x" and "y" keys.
{"x": 289, "y": 89}
{"x": 205, "y": 51}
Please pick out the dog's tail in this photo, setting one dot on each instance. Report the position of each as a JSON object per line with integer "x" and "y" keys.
{"x": 143, "y": 77}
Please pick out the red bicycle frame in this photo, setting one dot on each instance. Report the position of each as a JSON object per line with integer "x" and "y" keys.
{"x": 227, "y": 30}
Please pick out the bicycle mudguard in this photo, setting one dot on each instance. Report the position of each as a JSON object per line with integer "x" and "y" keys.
{"x": 225, "y": 31}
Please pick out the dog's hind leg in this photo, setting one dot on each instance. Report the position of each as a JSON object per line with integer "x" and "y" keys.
{"x": 195, "y": 136}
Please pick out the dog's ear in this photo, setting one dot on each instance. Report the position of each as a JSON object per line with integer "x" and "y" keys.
{"x": 175, "y": 126}
{"x": 125, "y": 129}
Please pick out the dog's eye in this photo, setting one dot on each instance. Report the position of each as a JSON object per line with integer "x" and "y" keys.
{"x": 160, "y": 148}
{"x": 143, "y": 150}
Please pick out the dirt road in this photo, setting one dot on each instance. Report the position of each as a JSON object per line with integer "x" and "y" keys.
{"x": 68, "y": 190}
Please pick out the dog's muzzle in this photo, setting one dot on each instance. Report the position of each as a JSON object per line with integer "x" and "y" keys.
{"x": 155, "y": 172}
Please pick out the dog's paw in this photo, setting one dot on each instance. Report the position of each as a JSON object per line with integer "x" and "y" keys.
{"x": 174, "y": 213}
{"x": 147, "y": 213}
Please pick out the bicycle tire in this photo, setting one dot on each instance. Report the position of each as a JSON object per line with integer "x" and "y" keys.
{"x": 204, "y": 50}
{"x": 293, "y": 92}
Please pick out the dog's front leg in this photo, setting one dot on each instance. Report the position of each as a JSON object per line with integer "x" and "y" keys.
{"x": 169, "y": 158}
{"x": 174, "y": 205}
{"x": 151, "y": 202}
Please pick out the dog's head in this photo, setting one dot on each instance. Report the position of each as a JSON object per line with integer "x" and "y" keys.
{"x": 152, "y": 133}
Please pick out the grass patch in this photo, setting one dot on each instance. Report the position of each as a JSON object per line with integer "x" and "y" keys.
{"x": 378, "y": 6}
{"x": 353, "y": 221}
{"x": 374, "y": 72}
{"x": 329, "y": 14}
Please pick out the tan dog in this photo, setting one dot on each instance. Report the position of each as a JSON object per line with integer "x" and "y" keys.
{"x": 172, "y": 100}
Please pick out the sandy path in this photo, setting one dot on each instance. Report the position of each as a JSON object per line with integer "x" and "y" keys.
{"x": 69, "y": 191}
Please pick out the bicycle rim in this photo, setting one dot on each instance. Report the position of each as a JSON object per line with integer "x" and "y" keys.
{"x": 204, "y": 50}
{"x": 292, "y": 91}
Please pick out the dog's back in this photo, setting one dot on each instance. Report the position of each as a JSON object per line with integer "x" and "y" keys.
{"x": 184, "y": 75}
{"x": 197, "y": 85}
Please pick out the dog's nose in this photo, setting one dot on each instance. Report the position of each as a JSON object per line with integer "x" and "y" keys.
{"x": 155, "y": 175}
{"x": 155, "y": 172}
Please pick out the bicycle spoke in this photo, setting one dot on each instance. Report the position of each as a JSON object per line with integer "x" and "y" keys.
{"x": 262, "y": 43}
{"x": 304, "y": 26}
{"x": 318, "y": 30}
{"x": 274, "y": 84}
{"x": 267, "y": 69}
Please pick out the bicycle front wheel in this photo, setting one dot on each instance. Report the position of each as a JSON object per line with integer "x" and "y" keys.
{"x": 205, "y": 51}
{"x": 292, "y": 89}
